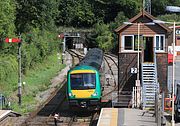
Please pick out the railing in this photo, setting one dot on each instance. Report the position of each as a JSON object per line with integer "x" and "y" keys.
{"x": 155, "y": 63}
{"x": 4, "y": 102}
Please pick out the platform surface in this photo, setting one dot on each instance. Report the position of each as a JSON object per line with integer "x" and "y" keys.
{"x": 125, "y": 117}
{"x": 3, "y": 113}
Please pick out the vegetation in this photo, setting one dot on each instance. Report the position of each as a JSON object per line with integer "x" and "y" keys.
{"x": 37, "y": 80}
{"x": 39, "y": 21}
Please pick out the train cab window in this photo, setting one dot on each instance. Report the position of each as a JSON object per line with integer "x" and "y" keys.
{"x": 83, "y": 81}
{"x": 89, "y": 81}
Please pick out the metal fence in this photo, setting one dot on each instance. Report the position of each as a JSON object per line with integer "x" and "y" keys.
{"x": 2, "y": 101}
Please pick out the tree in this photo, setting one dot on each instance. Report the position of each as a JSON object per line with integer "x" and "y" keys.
{"x": 159, "y": 7}
{"x": 169, "y": 17}
{"x": 104, "y": 38}
{"x": 36, "y": 14}
{"x": 7, "y": 27}
{"x": 118, "y": 21}
{"x": 75, "y": 13}
{"x": 129, "y": 7}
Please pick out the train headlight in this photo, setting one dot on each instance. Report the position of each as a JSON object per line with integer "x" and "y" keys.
{"x": 70, "y": 94}
{"x": 178, "y": 110}
{"x": 95, "y": 94}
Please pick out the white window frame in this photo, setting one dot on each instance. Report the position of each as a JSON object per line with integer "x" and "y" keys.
{"x": 123, "y": 44}
{"x": 164, "y": 39}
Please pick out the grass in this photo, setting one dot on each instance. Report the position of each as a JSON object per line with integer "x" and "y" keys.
{"x": 37, "y": 80}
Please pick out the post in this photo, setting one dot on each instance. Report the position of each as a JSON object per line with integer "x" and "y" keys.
{"x": 159, "y": 115}
{"x": 64, "y": 44}
{"x": 20, "y": 74}
{"x": 173, "y": 74}
{"x": 138, "y": 53}
{"x": 1, "y": 101}
{"x": 133, "y": 97}
{"x": 138, "y": 81}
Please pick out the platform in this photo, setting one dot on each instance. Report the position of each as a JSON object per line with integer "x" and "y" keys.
{"x": 6, "y": 113}
{"x": 125, "y": 117}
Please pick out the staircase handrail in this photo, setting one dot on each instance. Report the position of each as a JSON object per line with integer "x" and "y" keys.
{"x": 155, "y": 63}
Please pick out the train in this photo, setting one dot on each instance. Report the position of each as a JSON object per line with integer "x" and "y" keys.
{"x": 84, "y": 88}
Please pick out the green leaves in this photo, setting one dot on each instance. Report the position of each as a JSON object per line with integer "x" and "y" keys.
{"x": 7, "y": 17}
{"x": 101, "y": 37}
{"x": 75, "y": 13}
{"x": 36, "y": 14}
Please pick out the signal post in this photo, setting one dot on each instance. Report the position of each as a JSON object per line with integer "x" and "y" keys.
{"x": 18, "y": 40}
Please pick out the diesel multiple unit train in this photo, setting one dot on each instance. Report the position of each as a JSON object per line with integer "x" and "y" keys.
{"x": 83, "y": 81}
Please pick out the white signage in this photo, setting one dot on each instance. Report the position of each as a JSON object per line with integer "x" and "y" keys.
{"x": 133, "y": 70}
{"x": 170, "y": 49}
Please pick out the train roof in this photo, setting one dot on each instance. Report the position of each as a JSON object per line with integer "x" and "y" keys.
{"x": 93, "y": 58}
{"x": 83, "y": 68}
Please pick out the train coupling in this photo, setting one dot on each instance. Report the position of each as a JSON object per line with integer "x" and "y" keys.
{"x": 83, "y": 104}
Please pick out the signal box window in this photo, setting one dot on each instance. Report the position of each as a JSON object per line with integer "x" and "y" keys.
{"x": 128, "y": 42}
{"x": 160, "y": 43}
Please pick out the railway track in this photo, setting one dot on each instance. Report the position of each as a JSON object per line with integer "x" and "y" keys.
{"x": 75, "y": 56}
{"x": 57, "y": 103}
{"x": 43, "y": 113}
{"x": 110, "y": 79}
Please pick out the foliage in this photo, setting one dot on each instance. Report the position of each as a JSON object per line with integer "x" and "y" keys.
{"x": 119, "y": 19}
{"x": 7, "y": 27}
{"x": 159, "y": 6}
{"x": 36, "y": 14}
{"x": 37, "y": 79}
{"x": 169, "y": 17}
{"x": 129, "y": 7}
{"x": 37, "y": 45}
{"x": 101, "y": 36}
{"x": 8, "y": 70}
{"x": 75, "y": 13}
{"x": 7, "y": 17}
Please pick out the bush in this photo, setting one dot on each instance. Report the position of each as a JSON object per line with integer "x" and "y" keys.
{"x": 9, "y": 72}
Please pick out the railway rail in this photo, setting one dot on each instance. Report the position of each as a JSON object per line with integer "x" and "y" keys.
{"x": 76, "y": 56}
{"x": 47, "y": 109}
{"x": 57, "y": 102}
{"x": 110, "y": 79}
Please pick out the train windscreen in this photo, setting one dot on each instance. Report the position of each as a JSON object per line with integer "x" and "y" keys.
{"x": 83, "y": 81}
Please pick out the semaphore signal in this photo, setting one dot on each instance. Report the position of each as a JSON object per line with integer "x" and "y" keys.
{"x": 19, "y": 41}
{"x": 12, "y": 40}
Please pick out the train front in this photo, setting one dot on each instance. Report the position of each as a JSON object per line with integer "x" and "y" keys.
{"x": 83, "y": 89}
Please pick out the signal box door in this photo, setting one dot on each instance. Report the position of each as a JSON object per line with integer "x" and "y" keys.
{"x": 148, "y": 49}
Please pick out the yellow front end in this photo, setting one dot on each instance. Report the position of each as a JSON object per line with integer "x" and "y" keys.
{"x": 83, "y": 93}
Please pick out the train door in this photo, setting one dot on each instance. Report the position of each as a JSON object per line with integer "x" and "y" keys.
{"x": 148, "y": 49}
